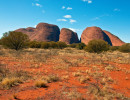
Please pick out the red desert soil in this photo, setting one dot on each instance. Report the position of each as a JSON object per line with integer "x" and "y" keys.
{"x": 27, "y": 90}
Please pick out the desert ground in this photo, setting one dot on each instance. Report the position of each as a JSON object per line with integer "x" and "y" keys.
{"x": 64, "y": 74}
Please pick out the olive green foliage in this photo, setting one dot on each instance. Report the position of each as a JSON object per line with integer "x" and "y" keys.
{"x": 125, "y": 48}
{"x": 47, "y": 45}
{"x": 34, "y": 44}
{"x": 80, "y": 46}
{"x": 97, "y": 46}
{"x": 61, "y": 45}
{"x": 77, "y": 45}
{"x": 14, "y": 40}
{"x": 114, "y": 48}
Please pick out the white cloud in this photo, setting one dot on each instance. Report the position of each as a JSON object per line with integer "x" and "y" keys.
{"x": 69, "y": 8}
{"x": 116, "y": 9}
{"x": 67, "y": 16}
{"x": 89, "y": 1}
{"x": 96, "y": 18}
{"x": 75, "y": 30}
{"x": 63, "y": 7}
{"x": 36, "y": 4}
{"x": 72, "y": 21}
{"x": 99, "y": 17}
{"x": 63, "y": 20}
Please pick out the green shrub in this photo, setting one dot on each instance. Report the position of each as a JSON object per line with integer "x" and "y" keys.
{"x": 77, "y": 45}
{"x": 73, "y": 45}
{"x": 125, "y": 48}
{"x": 45, "y": 45}
{"x": 15, "y": 40}
{"x": 35, "y": 44}
{"x": 61, "y": 45}
{"x": 53, "y": 44}
{"x": 80, "y": 46}
{"x": 97, "y": 46}
{"x": 114, "y": 48}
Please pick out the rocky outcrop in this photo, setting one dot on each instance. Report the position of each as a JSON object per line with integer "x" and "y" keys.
{"x": 92, "y": 33}
{"x": 68, "y": 36}
{"x": 114, "y": 39}
{"x": 42, "y": 32}
{"x": 49, "y": 32}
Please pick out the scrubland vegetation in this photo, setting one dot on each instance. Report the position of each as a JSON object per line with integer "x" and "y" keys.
{"x": 56, "y": 71}
{"x": 18, "y": 40}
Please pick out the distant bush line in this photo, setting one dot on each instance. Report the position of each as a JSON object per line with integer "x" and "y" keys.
{"x": 18, "y": 40}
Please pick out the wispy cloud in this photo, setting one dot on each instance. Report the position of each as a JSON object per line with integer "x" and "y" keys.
{"x": 116, "y": 9}
{"x": 72, "y": 21}
{"x": 63, "y": 7}
{"x": 75, "y": 30}
{"x": 89, "y": 1}
{"x": 36, "y": 4}
{"x": 63, "y": 20}
{"x": 99, "y": 17}
{"x": 67, "y": 16}
{"x": 69, "y": 8}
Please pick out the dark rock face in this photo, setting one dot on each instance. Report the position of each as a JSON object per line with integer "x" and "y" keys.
{"x": 114, "y": 39}
{"x": 92, "y": 33}
{"x": 68, "y": 36}
{"x": 43, "y": 32}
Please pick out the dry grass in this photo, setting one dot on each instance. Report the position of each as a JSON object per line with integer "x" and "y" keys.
{"x": 41, "y": 83}
{"x": 7, "y": 83}
{"x": 51, "y": 78}
{"x": 66, "y": 59}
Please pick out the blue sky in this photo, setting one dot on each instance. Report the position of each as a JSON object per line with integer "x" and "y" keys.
{"x": 111, "y": 15}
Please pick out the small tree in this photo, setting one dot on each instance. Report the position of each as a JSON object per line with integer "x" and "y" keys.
{"x": 125, "y": 48}
{"x": 15, "y": 40}
{"x": 97, "y": 46}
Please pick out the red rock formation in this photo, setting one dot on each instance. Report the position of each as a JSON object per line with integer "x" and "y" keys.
{"x": 92, "y": 33}
{"x": 68, "y": 36}
{"x": 43, "y": 32}
{"x": 114, "y": 39}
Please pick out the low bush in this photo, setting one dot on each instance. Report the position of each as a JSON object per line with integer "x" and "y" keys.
{"x": 45, "y": 45}
{"x": 97, "y": 46}
{"x": 114, "y": 48}
{"x": 73, "y": 45}
{"x": 34, "y": 44}
{"x": 61, "y": 45}
{"x": 125, "y": 48}
{"x": 80, "y": 46}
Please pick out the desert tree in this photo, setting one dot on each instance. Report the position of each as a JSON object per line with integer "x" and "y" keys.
{"x": 14, "y": 40}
